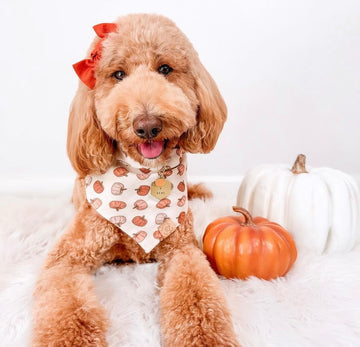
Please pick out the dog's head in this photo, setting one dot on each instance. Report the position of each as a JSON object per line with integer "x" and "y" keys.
{"x": 148, "y": 93}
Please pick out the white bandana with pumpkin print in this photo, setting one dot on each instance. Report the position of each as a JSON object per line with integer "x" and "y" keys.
{"x": 147, "y": 204}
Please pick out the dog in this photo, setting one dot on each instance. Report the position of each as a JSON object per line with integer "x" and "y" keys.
{"x": 143, "y": 101}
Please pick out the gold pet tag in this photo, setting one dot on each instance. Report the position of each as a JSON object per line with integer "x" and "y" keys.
{"x": 161, "y": 188}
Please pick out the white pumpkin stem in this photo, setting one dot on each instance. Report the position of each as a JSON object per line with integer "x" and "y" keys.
{"x": 245, "y": 213}
{"x": 299, "y": 165}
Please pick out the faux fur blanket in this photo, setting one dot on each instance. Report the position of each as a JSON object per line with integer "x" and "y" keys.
{"x": 316, "y": 304}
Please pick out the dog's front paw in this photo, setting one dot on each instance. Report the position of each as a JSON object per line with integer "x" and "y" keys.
{"x": 83, "y": 327}
{"x": 193, "y": 307}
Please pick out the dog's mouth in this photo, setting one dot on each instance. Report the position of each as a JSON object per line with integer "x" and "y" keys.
{"x": 151, "y": 149}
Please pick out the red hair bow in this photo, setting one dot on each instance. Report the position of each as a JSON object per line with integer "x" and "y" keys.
{"x": 85, "y": 69}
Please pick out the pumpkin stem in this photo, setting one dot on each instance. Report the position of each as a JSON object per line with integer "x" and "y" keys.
{"x": 299, "y": 165}
{"x": 245, "y": 213}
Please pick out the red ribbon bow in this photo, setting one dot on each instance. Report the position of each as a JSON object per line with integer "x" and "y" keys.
{"x": 85, "y": 69}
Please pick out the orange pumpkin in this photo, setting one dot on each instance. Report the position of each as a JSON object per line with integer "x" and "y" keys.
{"x": 181, "y": 186}
{"x": 167, "y": 172}
{"x": 163, "y": 203}
{"x": 181, "y": 169}
{"x": 120, "y": 171}
{"x": 139, "y": 221}
{"x": 240, "y": 246}
{"x": 117, "y": 205}
{"x": 98, "y": 187}
{"x": 143, "y": 190}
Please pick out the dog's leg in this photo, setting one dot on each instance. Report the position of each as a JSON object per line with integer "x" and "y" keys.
{"x": 193, "y": 309}
{"x": 66, "y": 309}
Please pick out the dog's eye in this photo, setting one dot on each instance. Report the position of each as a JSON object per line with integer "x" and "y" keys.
{"x": 119, "y": 75}
{"x": 164, "y": 69}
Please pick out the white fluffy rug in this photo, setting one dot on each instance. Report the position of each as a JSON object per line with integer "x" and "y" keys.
{"x": 316, "y": 304}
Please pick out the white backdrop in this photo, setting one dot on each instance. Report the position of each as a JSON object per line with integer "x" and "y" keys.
{"x": 288, "y": 70}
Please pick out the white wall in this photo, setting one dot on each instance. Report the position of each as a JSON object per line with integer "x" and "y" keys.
{"x": 288, "y": 70}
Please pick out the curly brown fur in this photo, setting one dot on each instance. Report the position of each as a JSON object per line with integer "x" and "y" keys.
{"x": 199, "y": 191}
{"x": 192, "y": 114}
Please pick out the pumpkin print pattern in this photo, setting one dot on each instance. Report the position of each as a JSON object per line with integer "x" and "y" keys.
{"x": 98, "y": 187}
{"x": 182, "y": 201}
{"x": 118, "y": 220}
{"x": 157, "y": 235}
{"x": 181, "y": 217}
{"x": 140, "y": 236}
{"x": 160, "y": 218}
{"x": 140, "y": 204}
{"x": 88, "y": 180}
{"x": 181, "y": 186}
{"x": 117, "y": 188}
{"x": 143, "y": 190}
{"x": 139, "y": 221}
{"x": 120, "y": 171}
{"x": 117, "y": 205}
{"x": 143, "y": 176}
{"x": 163, "y": 203}
{"x": 95, "y": 203}
{"x": 122, "y": 196}
{"x": 181, "y": 169}
{"x": 168, "y": 171}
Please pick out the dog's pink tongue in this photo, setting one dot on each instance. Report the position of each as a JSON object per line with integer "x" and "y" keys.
{"x": 151, "y": 149}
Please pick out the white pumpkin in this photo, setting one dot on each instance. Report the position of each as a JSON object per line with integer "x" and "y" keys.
{"x": 319, "y": 207}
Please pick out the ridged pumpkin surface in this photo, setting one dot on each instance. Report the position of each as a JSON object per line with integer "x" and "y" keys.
{"x": 239, "y": 247}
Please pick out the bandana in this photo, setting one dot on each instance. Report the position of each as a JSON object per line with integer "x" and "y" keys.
{"x": 147, "y": 204}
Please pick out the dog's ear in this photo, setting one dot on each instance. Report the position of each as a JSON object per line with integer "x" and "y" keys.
{"x": 211, "y": 115}
{"x": 89, "y": 148}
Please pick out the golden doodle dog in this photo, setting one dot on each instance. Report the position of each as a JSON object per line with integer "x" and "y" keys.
{"x": 144, "y": 100}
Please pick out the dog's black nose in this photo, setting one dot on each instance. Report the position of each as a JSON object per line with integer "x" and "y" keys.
{"x": 147, "y": 127}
